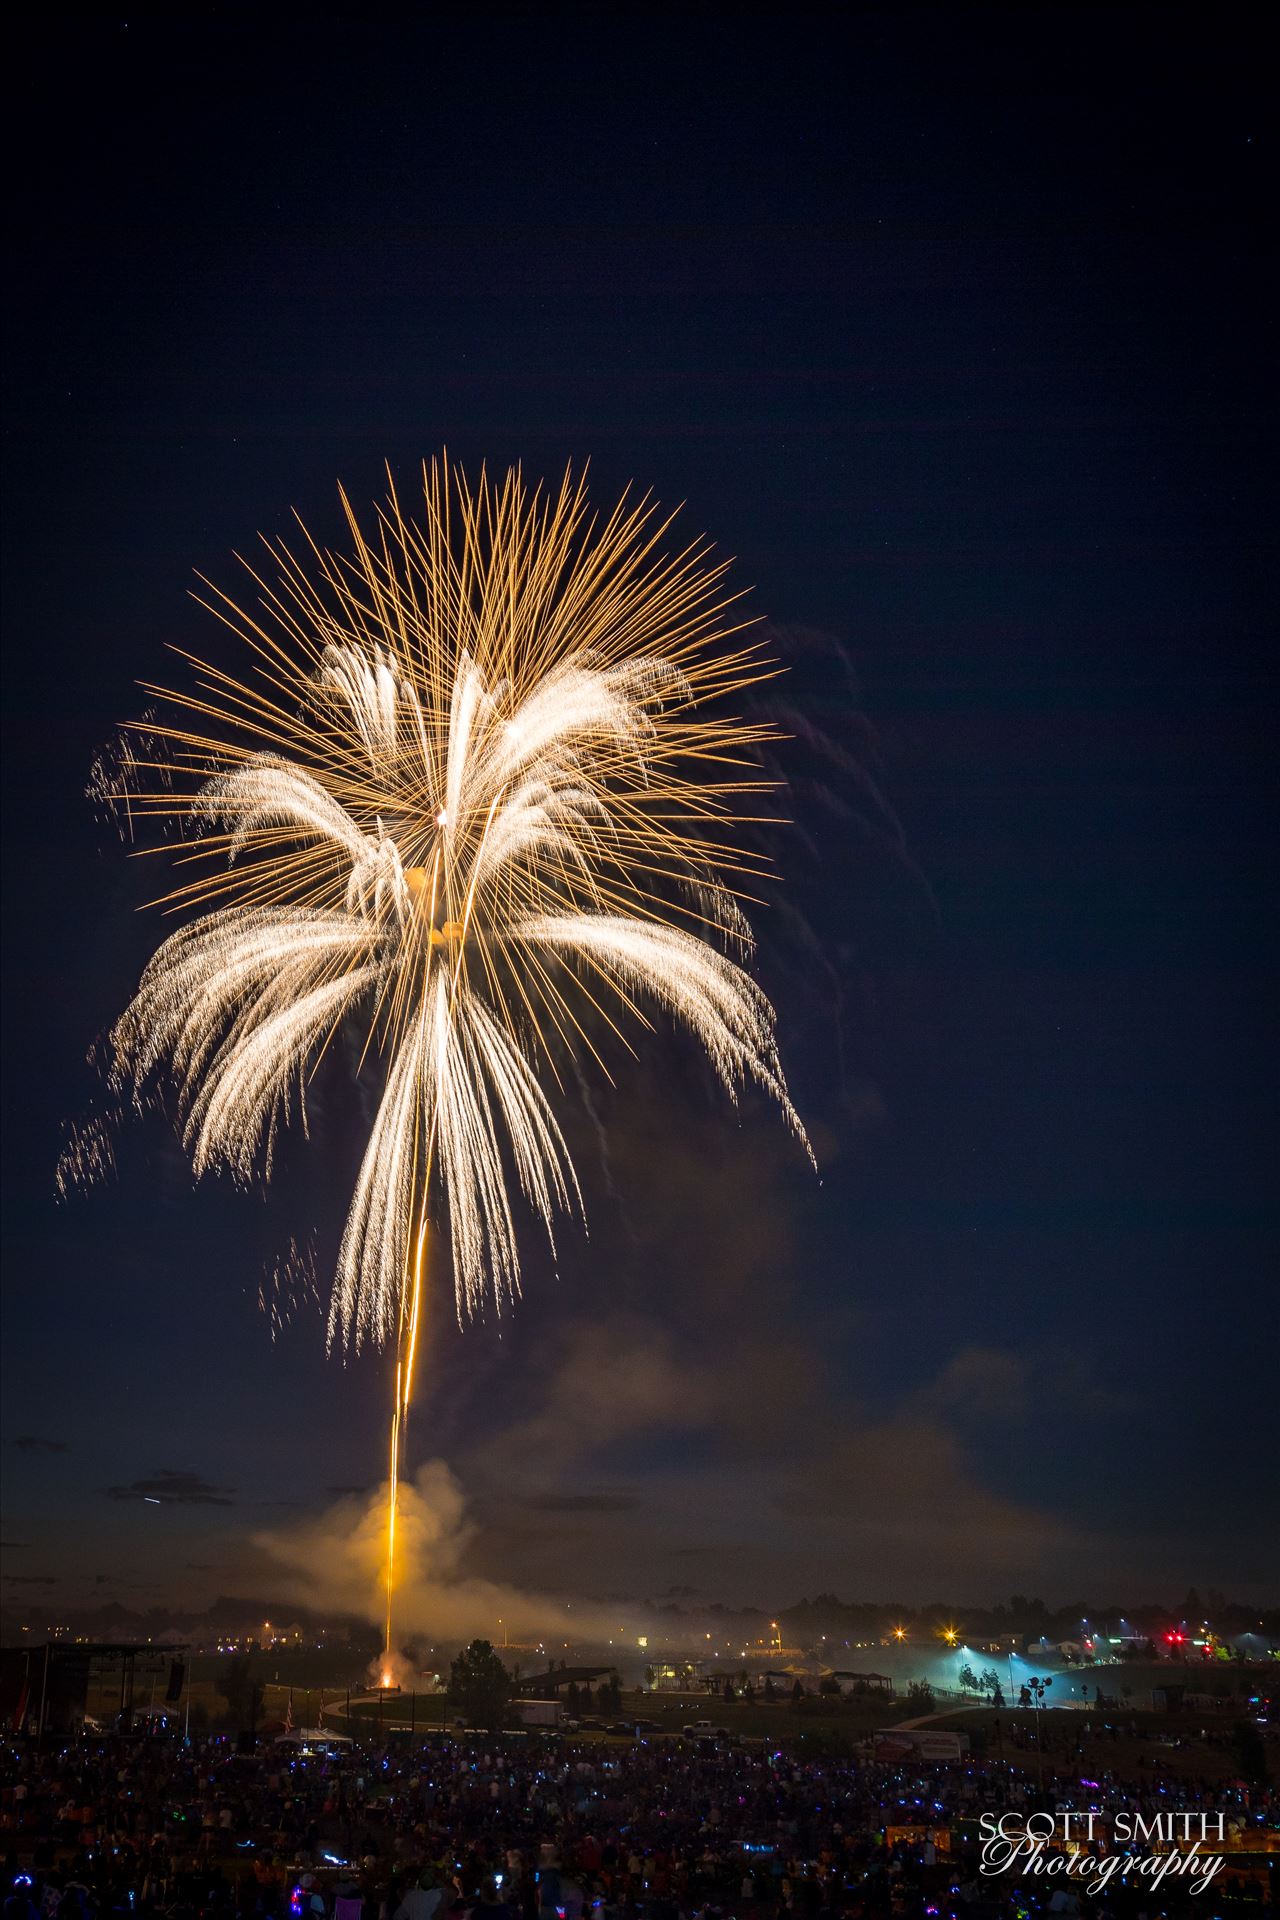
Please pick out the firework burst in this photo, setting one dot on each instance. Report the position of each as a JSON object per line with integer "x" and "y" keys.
{"x": 476, "y": 791}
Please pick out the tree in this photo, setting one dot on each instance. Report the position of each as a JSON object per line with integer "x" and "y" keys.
{"x": 829, "y": 1685}
{"x": 241, "y": 1692}
{"x": 969, "y": 1680}
{"x": 479, "y": 1686}
{"x": 797, "y": 1691}
{"x": 920, "y": 1693}
{"x": 770, "y": 1691}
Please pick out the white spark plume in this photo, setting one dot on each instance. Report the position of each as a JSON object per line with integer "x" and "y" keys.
{"x": 466, "y": 798}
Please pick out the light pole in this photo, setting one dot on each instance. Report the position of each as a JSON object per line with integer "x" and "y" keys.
{"x": 1036, "y": 1688}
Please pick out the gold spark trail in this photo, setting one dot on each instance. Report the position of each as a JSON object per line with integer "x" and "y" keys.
{"x": 474, "y": 795}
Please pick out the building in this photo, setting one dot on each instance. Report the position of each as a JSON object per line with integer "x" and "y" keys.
{"x": 855, "y": 1683}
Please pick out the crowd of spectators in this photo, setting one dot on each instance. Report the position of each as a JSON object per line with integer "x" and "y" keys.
{"x": 474, "y": 1829}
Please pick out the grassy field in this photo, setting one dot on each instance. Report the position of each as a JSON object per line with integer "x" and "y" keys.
{"x": 1168, "y": 1745}
{"x": 1160, "y": 1744}
{"x": 1191, "y": 1742}
{"x": 669, "y": 1713}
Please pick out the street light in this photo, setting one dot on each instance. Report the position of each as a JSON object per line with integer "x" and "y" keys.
{"x": 1036, "y": 1688}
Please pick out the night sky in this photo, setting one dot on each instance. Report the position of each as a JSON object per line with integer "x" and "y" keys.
{"x": 950, "y": 327}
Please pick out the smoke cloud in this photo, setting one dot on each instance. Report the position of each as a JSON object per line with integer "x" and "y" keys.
{"x": 337, "y": 1560}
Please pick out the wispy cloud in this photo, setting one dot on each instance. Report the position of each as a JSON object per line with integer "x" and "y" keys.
{"x": 584, "y": 1502}
{"x": 169, "y": 1487}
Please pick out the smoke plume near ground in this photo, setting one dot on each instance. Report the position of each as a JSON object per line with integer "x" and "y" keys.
{"x": 337, "y": 1560}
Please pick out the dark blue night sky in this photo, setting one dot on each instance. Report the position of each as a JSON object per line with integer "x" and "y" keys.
{"x": 948, "y": 325}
